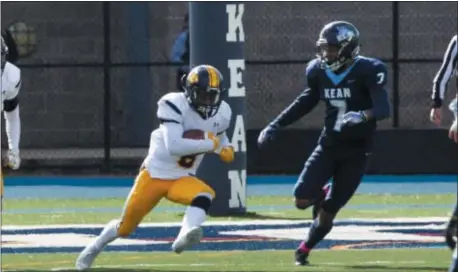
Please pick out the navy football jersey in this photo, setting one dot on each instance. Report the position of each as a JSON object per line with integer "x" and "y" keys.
{"x": 344, "y": 92}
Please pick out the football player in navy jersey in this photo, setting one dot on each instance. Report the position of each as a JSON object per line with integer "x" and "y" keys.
{"x": 353, "y": 90}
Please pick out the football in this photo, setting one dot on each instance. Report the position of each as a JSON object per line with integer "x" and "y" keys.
{"x": 194, "y": 134}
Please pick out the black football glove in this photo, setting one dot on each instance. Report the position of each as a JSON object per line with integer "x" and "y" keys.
{"x": 267, "y": 135}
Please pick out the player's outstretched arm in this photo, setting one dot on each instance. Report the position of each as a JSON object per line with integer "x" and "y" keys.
{"x": 13, "y": 127}
{"x": 453, "y": 132}
{"x": 449, "y": 62}
{"x": 179, "y": 146}
{"x": 445, "y": 72}
{"x": 302, "y": 105}
{"x": 13, "y": 123}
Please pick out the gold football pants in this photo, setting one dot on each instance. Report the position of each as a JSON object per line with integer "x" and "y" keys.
{"x": 147, "y": 192}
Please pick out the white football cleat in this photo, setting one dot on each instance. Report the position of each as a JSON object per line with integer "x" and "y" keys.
{"x": 87, "y": 257}
{"x": 192, "y": 237}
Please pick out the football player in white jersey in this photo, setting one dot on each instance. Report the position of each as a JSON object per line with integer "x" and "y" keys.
{"x": 11, "y": 83}
{"x": 170, "y": 166}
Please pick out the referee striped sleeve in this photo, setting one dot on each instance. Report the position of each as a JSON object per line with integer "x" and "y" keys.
{"x": 444, "y": 74}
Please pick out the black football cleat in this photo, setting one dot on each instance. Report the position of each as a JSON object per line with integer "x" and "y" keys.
{"x": 301, "y": 258}
{"x": 451, "y": 232}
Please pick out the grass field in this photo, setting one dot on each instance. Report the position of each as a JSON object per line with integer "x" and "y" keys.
{"x": 99, "y": 211}
{"x": 278, "y": 260}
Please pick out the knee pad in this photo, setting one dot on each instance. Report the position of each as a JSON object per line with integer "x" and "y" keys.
{"x": 203, "y": 202}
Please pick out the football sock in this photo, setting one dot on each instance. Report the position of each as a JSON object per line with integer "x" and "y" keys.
{"x": 455, "y": 211}
{"x": 316, "y": 234}
{"x": 108, "y": 235}
{"x": 194, "y": 217}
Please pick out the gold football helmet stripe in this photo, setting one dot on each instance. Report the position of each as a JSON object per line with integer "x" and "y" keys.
{"x": 213, "y": 77}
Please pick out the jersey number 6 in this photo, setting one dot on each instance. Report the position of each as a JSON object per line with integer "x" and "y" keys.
{"x": 187, "y": 161}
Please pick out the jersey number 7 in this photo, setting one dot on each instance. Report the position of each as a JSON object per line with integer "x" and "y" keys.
{"x": 341, "y": 106}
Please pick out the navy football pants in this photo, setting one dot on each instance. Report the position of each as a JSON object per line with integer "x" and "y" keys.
{"x": 346, "y": 169}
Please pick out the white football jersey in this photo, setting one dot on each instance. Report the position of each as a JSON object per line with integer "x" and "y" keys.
{"x": 11, "y": 82}
{"x": 176, "y": 108}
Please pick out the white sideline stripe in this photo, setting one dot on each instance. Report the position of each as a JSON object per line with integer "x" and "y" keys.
{"x": 235, "y": 223}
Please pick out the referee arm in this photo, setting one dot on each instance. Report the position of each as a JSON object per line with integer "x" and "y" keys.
{"x": 449, "y": 64}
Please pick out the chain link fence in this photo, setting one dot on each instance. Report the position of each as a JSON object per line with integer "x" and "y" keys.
{"x": 64, "y": 99}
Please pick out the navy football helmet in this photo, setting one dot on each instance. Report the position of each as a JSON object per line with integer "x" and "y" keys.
{"x": 203, "y": 89}
{"x": 338, "y": 45}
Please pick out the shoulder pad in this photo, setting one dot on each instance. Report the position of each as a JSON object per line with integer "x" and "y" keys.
{"x": 379, "y": 66}
{"x": 371, "y": 61}
{"x": 312, "y": 67}
{"x": 12, "y": 75}
{"x": 172, "y": 106}
{"x": 375, "y": 70}
{"x": 226, "y": 114}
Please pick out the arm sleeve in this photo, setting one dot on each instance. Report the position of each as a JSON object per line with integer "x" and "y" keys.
{"x": 171, "y": 118}
{"x": 224, "y": 142}
{"x": 303, "y": 104}
{"x": 11, "y": 96}
{"x": 376, "y": 85}
{"x": 444, "y": 74}
{"x": 13, "y": 128}
{"x": 11, "y": 113}
{"x": 226, "y": 112}
{"x": 178, "y": 146}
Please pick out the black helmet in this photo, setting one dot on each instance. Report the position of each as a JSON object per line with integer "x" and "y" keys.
{"x": 337, "y": 45}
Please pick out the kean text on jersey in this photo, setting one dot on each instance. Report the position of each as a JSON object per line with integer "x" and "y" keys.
{"x": 336, "y": 93}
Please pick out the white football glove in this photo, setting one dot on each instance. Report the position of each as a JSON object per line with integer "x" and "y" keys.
{"x": 12, "y": 159}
